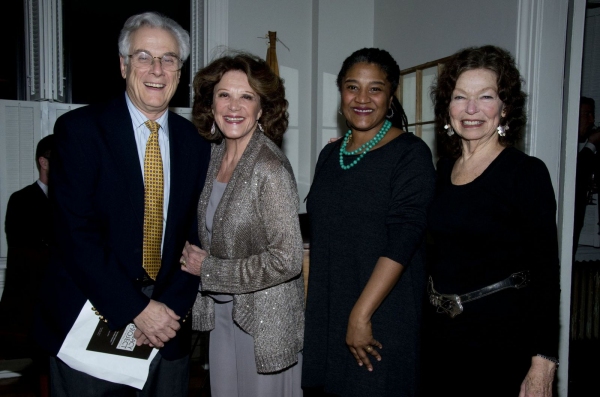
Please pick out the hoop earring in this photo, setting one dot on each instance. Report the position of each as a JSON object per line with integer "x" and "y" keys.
{"x": 260, "y": 127}
{"x": 391, "y": 115}
{"x": 449, "y": 129}
{"x": 502, "y": 130}
{"x": 340, "y": 112}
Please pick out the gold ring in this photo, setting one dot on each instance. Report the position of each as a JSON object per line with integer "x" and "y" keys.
{"x": 368, "y": 349}
{"x": 183, "y": 262}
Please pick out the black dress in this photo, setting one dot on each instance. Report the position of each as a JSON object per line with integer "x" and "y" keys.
{"x": 375, "y": 209}
{"x": 502, "y": 222}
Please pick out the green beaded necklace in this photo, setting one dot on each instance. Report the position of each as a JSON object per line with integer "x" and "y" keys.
{"x": 364, "y": 148}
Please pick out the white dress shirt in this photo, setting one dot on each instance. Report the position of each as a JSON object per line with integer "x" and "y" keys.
{"x": 142, "y": 133}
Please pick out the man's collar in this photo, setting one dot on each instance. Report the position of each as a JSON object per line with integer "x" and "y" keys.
{"x": 139, "y": 118}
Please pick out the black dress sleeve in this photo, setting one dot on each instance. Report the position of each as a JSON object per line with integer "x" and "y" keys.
{"x": 538, "y": 210}
{"x": 412, "y": 188}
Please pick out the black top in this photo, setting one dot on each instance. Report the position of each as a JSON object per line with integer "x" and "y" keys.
{"x": 375, "y": 209}
{"x": 502, "y": 222}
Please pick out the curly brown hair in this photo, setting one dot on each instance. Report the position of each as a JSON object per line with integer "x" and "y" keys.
{"x": 509, "y": 83}
{"x": 268, "y": 86}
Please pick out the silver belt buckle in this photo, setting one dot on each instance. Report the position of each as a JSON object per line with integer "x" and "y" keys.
{"x": 447, "y": 303}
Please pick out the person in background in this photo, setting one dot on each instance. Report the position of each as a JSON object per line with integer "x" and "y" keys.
{"x": 28, "y": 234}
{"x": 125, "y": 180}
{"x": 588, "y": 163}
{"x": 491, "y": 328}
{"x": 28, "y": 230}
{"x": 368, "y": 209}
{"x": 252, "y": 290}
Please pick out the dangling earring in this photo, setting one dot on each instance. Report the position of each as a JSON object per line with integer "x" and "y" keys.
{"x": 391, "y": 115}
{"x": 449, "y": 129}
{"x": 502, "y": 130}
{"x": 340, "y": 111}
{"x": 213, "y": 129}
{"x": 260, "y": 127}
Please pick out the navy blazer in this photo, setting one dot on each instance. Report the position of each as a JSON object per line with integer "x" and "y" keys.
{"x": 97, "y": 199}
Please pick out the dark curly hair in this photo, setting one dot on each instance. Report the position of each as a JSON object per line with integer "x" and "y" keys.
{"x": 268, "y": 86}
{"x": 509, "y": 83}
{"x": 390, "y": 68}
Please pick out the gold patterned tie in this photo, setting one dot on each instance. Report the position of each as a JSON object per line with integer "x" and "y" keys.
{"x": 153, "y": 202}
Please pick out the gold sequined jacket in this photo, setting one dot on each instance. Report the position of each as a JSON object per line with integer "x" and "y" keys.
{"x": 255, "y": 253}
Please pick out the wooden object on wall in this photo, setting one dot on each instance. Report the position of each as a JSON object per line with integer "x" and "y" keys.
{"x": 272, "y": 53}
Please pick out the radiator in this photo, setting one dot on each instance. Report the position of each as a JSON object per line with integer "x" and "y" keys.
{"x": 585, "y": 301}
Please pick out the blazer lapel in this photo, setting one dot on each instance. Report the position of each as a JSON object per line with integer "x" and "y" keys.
{"x": 120, "y": 140}
{"x": 177, "y": 161}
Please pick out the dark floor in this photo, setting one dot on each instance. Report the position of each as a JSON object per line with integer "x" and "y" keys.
{"x": 584, "y": 373}
{"x": 28, "y": 385}
{"x": 584, "y": 368}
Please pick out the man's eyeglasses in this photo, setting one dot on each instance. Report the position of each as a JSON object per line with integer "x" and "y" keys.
{"x": 143, "y": 60}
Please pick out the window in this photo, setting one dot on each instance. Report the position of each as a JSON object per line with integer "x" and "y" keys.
{"x": 413, "y": 92}
{"x": 67, "y": 51}
{"x": 12, "y": 71}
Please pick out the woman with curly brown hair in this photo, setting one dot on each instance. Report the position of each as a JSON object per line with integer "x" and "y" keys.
{"x": 252, "y": 292}
{"x": 491, "y": 328}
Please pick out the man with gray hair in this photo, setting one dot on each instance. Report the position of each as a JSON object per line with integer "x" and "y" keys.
{"x": 126, "y": 178}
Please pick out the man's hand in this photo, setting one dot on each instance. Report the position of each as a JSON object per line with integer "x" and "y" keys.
{"x": 157, "y": 323}
{"x": 141, "y": 339}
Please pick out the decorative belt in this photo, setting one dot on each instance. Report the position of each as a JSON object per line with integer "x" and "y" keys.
{"x": 452, "y": 303}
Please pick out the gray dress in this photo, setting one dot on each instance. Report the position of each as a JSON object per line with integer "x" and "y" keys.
{"x": 231, "y": 350}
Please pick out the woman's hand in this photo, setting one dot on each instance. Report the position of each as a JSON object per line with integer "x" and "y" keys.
{"x": 360, "y": 341}
{"x": 539, "y": 379}
{"x": 359, "y": 336}
{"x": 191, "y": 259}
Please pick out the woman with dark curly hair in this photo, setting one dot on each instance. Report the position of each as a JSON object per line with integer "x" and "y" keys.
{"x": 368, "y": 214}
{"x": 491, "y": 328}
{"x": 252, "y": 292}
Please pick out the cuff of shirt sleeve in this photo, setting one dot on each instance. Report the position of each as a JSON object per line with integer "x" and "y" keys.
{"x": 590, "y": 146}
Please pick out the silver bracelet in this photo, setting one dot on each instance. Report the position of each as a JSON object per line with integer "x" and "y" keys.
{"x": 554, "y": 360}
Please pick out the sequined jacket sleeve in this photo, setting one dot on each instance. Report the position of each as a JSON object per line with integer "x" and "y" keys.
{"x": 256, "y": 240}
{"x": 256, "y": 253}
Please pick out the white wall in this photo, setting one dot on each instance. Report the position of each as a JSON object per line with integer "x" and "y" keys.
{"x": 341, "y": 27}
{"x": 249, "y": 22}
{"x": 416, "y": 31}
{"x": 320, "y": 35}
